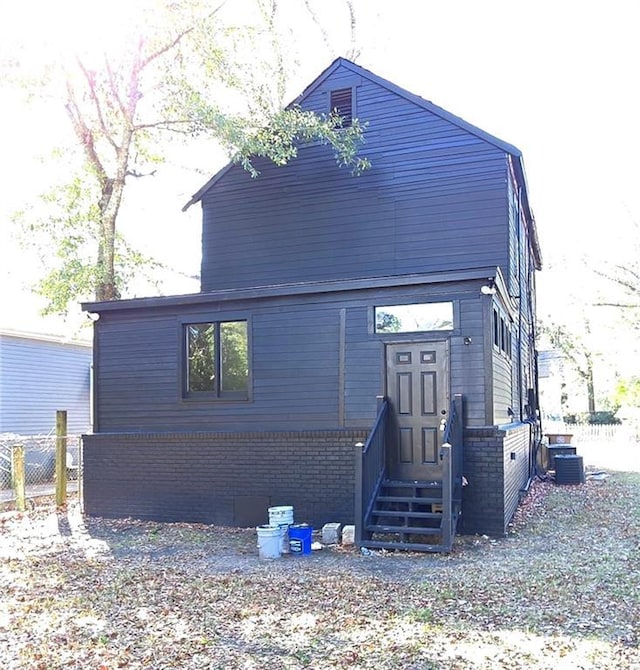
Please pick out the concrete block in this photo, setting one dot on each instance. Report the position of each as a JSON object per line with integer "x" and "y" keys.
{"x": 331, "y": 533}
{"x": 348, "y": 535}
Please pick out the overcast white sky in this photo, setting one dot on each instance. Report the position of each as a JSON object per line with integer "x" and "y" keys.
{"x": 557, "y": 78}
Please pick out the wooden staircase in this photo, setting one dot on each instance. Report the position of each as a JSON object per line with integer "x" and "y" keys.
{"x": 408, "y": 515}
{"x": 411, "y": 516}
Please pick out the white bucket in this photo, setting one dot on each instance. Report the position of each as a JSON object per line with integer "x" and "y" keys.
{"x": 269, "y": 541}
{"x": 282, "y": 516}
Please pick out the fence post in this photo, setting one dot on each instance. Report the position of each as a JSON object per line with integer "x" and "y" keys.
{"x": 61, "y": 457}
{"x": 17, "y": 470}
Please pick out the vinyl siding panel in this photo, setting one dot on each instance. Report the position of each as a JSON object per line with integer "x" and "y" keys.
{"x": 39, "y": 377}
{"x": 433, "y": 200}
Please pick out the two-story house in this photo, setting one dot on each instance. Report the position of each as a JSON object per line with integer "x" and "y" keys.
{"x": 403, "y": 297}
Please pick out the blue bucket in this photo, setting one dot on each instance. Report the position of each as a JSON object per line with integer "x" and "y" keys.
{"x": 300, "y": 539}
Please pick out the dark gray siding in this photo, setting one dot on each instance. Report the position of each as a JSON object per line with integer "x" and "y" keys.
{"x": 467, "y": 360}
{"x": 434, "y": 200}
{"x": 521, "y": 284}
{"x": 526, "y": 328}
{"x": 38, "y": 377}
{"x": 502, "y": 388}
{"x": 316, "y": 363}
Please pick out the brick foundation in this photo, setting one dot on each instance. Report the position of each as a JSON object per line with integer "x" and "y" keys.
{"x": 221, "y": 478}
{"x": 232, "y": 478}
{"x": 496, "y": 465}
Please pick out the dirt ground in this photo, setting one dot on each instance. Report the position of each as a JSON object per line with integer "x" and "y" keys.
{"x": 559, "y": 591}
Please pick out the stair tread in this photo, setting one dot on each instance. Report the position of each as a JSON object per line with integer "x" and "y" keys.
{"x": 409, "y": 499}
{"x": 402, "y": 483}
{"x": 407, "y": 514}
{"x": 407, "y": 546}
{"x": 414, "y": 530}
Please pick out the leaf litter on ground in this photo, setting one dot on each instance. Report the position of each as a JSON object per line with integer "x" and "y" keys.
{"x": 559, "y": 591}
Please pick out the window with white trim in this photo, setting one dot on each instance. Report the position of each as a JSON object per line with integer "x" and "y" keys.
{"x": 420, "y": 317}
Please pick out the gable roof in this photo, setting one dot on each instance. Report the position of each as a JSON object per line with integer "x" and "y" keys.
{"x": 427, "y": 106}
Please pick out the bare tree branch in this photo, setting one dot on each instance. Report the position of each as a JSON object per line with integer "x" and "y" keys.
{"x": 165, "y": 124}
{"x": 134, "y": 94}
{"x": 84, "y": 134}
{"x": 114, "y": 87}
{"x": 138, "y": 175}
{"x": 629, "y": 284}
{"x": 269, "y": 17}
{"x": 323, "y": 31}
{"x": 92, "y": 93}
{"x": 622, "y": 305}
{"x": 179, "y": 37}
{"x": 354, "y": 52}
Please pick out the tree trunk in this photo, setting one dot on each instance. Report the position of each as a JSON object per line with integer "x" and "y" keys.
{"x": 110, "y": 201}
{"x": 591, "y": 395}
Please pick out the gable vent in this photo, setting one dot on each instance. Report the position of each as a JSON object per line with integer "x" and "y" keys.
{"x": 341, "y": 103}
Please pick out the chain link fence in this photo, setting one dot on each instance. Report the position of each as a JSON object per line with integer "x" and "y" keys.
{"x": 39, "y": 461}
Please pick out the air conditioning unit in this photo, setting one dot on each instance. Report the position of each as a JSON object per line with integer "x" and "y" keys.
{"x": 569, "y": 469}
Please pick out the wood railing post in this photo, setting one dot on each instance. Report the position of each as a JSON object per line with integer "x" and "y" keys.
{"x": 445, "y": 456}
{"x": 61, "y": 457}
{"x": 17, "y": 477}
{"x": 358, "y": 508}
{"x": 458, "y": 447}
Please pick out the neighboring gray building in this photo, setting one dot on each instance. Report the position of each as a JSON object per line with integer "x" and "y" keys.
{"x": 40, "y": 374}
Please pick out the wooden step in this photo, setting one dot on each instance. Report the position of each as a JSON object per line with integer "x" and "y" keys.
{"x": 405, "y": 546}
{"x": 412, "y": 530}
{"x": 409, "y": 499}
{"x": 406, "y": 514}
{"x": 401, "y": 483}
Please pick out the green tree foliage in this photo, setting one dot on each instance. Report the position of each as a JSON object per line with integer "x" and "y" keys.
{"x": 234, "y": 356}
{"x": 628, "y": 392}
{"x": 169, "y": 72}
{"x": 201, "y": 357}
{"x": 70, "y": 227}
{"x": 218, "y": 360}
{"x": 387, "y": 323}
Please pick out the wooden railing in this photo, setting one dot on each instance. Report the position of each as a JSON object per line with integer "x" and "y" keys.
{"x": 454, "y": 435}
{"x": 451, "y": 454}
{"x": 370, "y": 468}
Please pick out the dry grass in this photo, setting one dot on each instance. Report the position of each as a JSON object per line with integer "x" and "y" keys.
{"x": 561, "y": 591}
